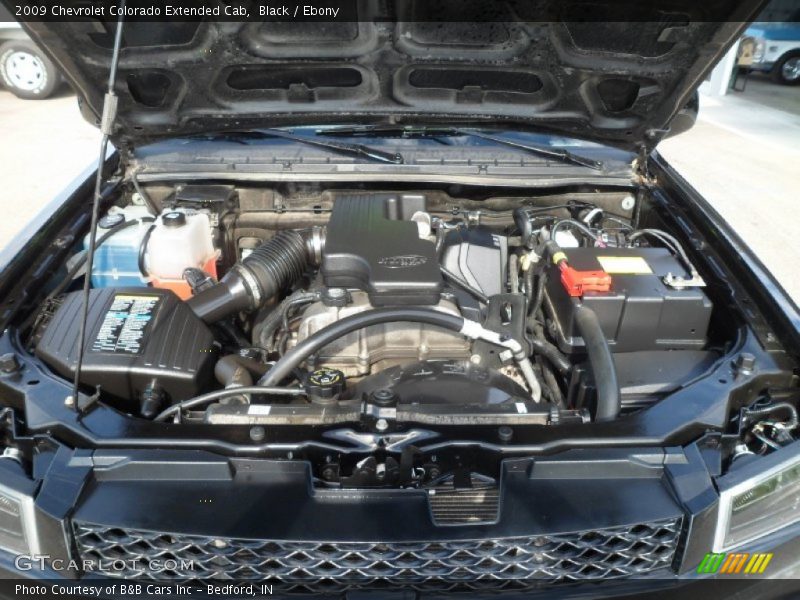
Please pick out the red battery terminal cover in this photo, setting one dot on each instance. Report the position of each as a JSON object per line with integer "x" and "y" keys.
{"x": 577, "y": 283}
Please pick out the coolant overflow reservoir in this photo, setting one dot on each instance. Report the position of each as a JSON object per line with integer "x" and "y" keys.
{"x": 179, "y": 240}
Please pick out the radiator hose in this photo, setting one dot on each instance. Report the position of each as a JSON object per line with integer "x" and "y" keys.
{"x": 471, "y": 329}
{"x": 269, "y": 269}
{"x": 604, "y": 371}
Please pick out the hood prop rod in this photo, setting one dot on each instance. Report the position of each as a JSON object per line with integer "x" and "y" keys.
{"x": 106, "y": 128}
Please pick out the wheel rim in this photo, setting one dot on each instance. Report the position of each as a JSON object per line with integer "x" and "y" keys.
{"x": 791, "y": 69}
{"x": 25, "y": 71}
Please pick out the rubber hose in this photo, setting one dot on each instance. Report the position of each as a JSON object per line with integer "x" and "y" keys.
{"x": 233, "y": 332}
{"x": 270, "y": 268}
{"x": 523, "y": 223}
{"x": 299, "y": 300}
{"x": 277, "y": 262}
{"x": 551, "y": 353}
{"x": 333, "y": 332}
{"x": 439, "y": 245}
{"x": 609, "y": 402}
{"x": 528, "y": 278}
{"x": 231, "y": 373}
{"x": 143, "y": 251}
{"x": 268, "y": 327}
{"x": 753, "y": 414}
{"x": 541, "y": 281}
{"x": 550, "y": 380}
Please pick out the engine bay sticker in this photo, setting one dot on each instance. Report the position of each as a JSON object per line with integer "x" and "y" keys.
{"x": 259, "y": 409}
{"x": 625, "y": 265}
{"x": 122, "y": 330}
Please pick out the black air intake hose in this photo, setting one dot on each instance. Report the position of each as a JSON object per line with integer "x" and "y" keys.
{"x": 270, "y": 268}
{"x": 609, "y": 402}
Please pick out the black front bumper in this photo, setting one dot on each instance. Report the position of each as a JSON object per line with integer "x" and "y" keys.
{"x": 609, "y": 523}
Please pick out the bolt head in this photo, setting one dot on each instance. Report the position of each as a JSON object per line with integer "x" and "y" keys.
{"x": 746, "y": 362}
{"x": 628, "y": 202}
{"x": 381, "y": 425}
{"x": 383, "y": 397}
{"x": 257, "y": 434}
{"x": 505, "y": 433}
{"x": 9, "y": 362}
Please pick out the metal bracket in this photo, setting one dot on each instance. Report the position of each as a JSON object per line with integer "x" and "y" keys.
{"x": 680, "y": 283}
{"x": 84, "y": 402}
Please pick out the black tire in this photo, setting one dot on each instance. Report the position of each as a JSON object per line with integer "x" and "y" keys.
{"x": 779, "y": 71}
{"x": 26, "y": 71}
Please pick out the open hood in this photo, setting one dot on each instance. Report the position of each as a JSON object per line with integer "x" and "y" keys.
{"x": 607, "y": 71}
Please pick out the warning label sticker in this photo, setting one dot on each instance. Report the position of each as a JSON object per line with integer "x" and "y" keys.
{"x": 624, "y": 265}
{"x": 123, "y": 326}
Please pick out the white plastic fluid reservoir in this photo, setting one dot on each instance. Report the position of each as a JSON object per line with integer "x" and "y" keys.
{"x": 180, "y": 240}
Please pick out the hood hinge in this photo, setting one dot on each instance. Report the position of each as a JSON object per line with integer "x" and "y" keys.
{"x": 640, "y": 165}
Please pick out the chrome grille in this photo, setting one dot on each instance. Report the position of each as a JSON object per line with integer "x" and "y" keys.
{"x": 505, "y": 562}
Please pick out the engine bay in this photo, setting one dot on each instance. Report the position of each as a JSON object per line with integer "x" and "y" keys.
{"x": 380, "y": 251}
{"x": 378, "y": 319}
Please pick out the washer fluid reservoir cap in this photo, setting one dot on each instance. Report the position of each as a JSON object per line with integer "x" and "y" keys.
{"x": 111, "y": 220}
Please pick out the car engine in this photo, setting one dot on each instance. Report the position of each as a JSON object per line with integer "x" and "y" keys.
{"x": 396, "y": 307}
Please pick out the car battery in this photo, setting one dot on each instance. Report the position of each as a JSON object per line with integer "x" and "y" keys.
{"x": 639, "y": 311}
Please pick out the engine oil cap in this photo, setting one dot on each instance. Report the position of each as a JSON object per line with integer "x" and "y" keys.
{"x": 174, "y": 219}
{"x": 111, "y": 220}
{"x": 324, "y": 384}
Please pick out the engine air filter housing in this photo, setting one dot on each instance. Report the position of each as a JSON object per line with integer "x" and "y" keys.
{"x": 135, "y": 336}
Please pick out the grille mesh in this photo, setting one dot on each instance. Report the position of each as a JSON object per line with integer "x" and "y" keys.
{"x": 505, "y": 562}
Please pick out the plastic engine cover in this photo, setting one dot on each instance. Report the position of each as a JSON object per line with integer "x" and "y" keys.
{"x": 134, "y": 336}
{"x": 478, "y": 257}
{"x": 372, "y": 245}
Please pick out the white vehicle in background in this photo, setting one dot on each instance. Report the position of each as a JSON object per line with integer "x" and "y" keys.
{"x": 777, "y": 50}
{"x": 24, "y": 69}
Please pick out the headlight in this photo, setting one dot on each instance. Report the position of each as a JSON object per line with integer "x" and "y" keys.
{"x": 17, "y": 521}
{"x": 762, "y": 503}
{"x": 758, "y": 50}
